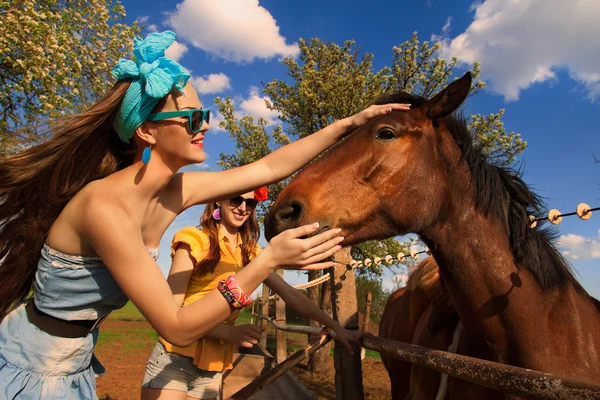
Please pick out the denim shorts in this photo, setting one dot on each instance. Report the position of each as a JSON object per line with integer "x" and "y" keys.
{"x": 166, "y": 370}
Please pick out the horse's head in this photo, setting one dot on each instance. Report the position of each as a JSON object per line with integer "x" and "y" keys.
{"x": 389, "y": 177}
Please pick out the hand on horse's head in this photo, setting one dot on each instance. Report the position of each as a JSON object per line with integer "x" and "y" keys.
{"x": 300, "y": 248}
{"x": 376, "y": 110}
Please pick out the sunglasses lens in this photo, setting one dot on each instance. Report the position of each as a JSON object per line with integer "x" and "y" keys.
{"x": 251, "y": 204}
{"x": 198, "y": 117}
{"x": 236, "y": 201}
{"x": 196, "y": 121}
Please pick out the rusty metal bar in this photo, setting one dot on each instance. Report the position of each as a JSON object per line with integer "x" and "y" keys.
{"x": 517, "y": 381}
{"x": 522, "y": 382}
{"x": 307, "y": 330}
{"x": 269, "y": 376}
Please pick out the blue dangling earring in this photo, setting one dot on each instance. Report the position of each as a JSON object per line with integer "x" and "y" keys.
{"x": 146, "y": 155}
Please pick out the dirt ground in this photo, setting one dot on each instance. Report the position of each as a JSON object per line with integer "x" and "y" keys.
{"x": 124, "y": 348}
{"x": 376, "y": 382}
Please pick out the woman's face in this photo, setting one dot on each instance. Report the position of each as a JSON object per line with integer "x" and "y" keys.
{"x": 175, "y": 142}
{"x": 235, "y": 212}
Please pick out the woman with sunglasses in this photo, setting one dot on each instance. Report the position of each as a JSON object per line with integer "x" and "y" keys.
{"x": 203, "y": 257}
{"x": 83, "y": 212}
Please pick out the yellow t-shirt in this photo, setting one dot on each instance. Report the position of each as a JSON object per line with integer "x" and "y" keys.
{"x": 208, "y": 354}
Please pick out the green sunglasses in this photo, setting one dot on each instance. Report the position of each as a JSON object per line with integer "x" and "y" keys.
{"x": 195, "y": 116}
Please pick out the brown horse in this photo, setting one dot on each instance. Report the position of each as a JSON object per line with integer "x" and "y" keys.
{"x": 422, "y": 313}
{"x": 419, "y": 171}
{"x": 403, "y": 311}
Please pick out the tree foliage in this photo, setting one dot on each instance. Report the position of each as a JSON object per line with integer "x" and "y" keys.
{"x": 55, "y": 58}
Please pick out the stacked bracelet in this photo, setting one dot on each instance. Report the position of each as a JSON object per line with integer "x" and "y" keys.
{"x": 233, "y": 293}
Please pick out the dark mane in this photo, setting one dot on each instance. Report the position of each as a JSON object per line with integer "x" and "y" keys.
{"x": 501, "y": 193}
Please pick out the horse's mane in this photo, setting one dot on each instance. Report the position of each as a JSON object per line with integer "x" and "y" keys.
{"x": 425, "y": 276}
{"x": 501, "y": 193}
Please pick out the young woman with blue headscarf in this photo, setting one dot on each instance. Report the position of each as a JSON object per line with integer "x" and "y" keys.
{"x": 83, "y": 213}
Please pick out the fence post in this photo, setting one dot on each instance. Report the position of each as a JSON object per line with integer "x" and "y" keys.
{"x": 366, "y": 321}
{"x": 253, "y": 319}
{"x": 348, "y": 369}
{"x": 367, "y": 316}
{"x": 265, "y": 311}
{"x": 280, "y": 318}
{"x": 258, "y": 319}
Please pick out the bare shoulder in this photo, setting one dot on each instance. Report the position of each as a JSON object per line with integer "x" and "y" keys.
{"x": 99, "y": 204}
{"x": 94, "y": 203}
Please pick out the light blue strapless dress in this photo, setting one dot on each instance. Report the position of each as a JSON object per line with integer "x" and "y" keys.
{"x": 36, "y": 365}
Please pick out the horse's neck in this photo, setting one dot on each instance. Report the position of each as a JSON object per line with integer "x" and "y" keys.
{"x": 494, "y": 296}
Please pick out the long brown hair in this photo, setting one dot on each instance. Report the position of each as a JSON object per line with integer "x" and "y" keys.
{"x": 37, "y": 183}
{"x": 249, "y": 232}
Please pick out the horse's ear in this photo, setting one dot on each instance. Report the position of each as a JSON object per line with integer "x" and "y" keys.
{"x": 448, "y": 100}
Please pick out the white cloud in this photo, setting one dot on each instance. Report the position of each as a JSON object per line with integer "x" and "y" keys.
{"x": 446, "y": 27}
{"x": 213, "y": 83}
{"x": 215, "y": 119}
{"x": 176, "y": 51}
{"x": 576, "y": 247}
{"x": 201, "y": 167}
{"x": 236, "y": 30}
{"x": 256, "y": 107}
{"x": 520, "y": 43}
{"x": 145, "y": 19}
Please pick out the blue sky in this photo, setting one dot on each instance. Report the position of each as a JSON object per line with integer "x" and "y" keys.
{"x": 540, "y": 60}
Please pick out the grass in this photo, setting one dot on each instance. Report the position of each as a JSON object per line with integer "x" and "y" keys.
{"x": 136, "y": 336}
{"x": 127, "y": 313}
{"x": 131, "y": 334}
{"x": 373, "y": 354}
{"x": 244, "y": 318}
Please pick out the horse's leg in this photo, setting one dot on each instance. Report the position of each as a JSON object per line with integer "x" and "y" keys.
{"x": 395, "y": 324}
{"x": 425, "y": 383}
{"x": 473, "y": 345}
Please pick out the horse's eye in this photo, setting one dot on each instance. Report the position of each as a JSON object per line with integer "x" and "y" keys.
{"x": 385, "y": 134}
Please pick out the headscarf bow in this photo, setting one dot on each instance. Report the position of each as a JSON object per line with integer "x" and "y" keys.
{"x": 153, "y": 76}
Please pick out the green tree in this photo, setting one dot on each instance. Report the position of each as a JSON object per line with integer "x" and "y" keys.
{"x": 379, "y": 298}
{"x": 55, "y": 58}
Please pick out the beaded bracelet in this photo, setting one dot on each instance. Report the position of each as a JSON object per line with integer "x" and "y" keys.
{"x": 233, "y": 293}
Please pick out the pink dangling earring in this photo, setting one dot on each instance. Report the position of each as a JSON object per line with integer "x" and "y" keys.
{"x": 216, "y": 214}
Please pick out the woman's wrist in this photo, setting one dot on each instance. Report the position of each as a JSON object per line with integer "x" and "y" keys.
{"x": 344, "y": 127}
{"x": 264, "y": 260}
{"x": 335, "y": 325}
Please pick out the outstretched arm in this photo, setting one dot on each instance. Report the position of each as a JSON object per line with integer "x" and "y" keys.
{"x": 207, "y": 187}
{"x": 299, "y": 302}
{"x": 118, "y": 242}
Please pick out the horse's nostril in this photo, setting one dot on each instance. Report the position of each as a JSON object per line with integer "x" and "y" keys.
{"x": 284, "y": 216}
{"x": 291, "y": 213}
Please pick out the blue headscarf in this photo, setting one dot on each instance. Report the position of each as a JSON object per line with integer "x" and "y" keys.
{"x": 153, "y": 76}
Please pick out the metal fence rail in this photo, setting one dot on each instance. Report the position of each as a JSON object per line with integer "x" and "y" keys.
{"x": 268, "y": 377}
{"x": 522, "y": 382}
